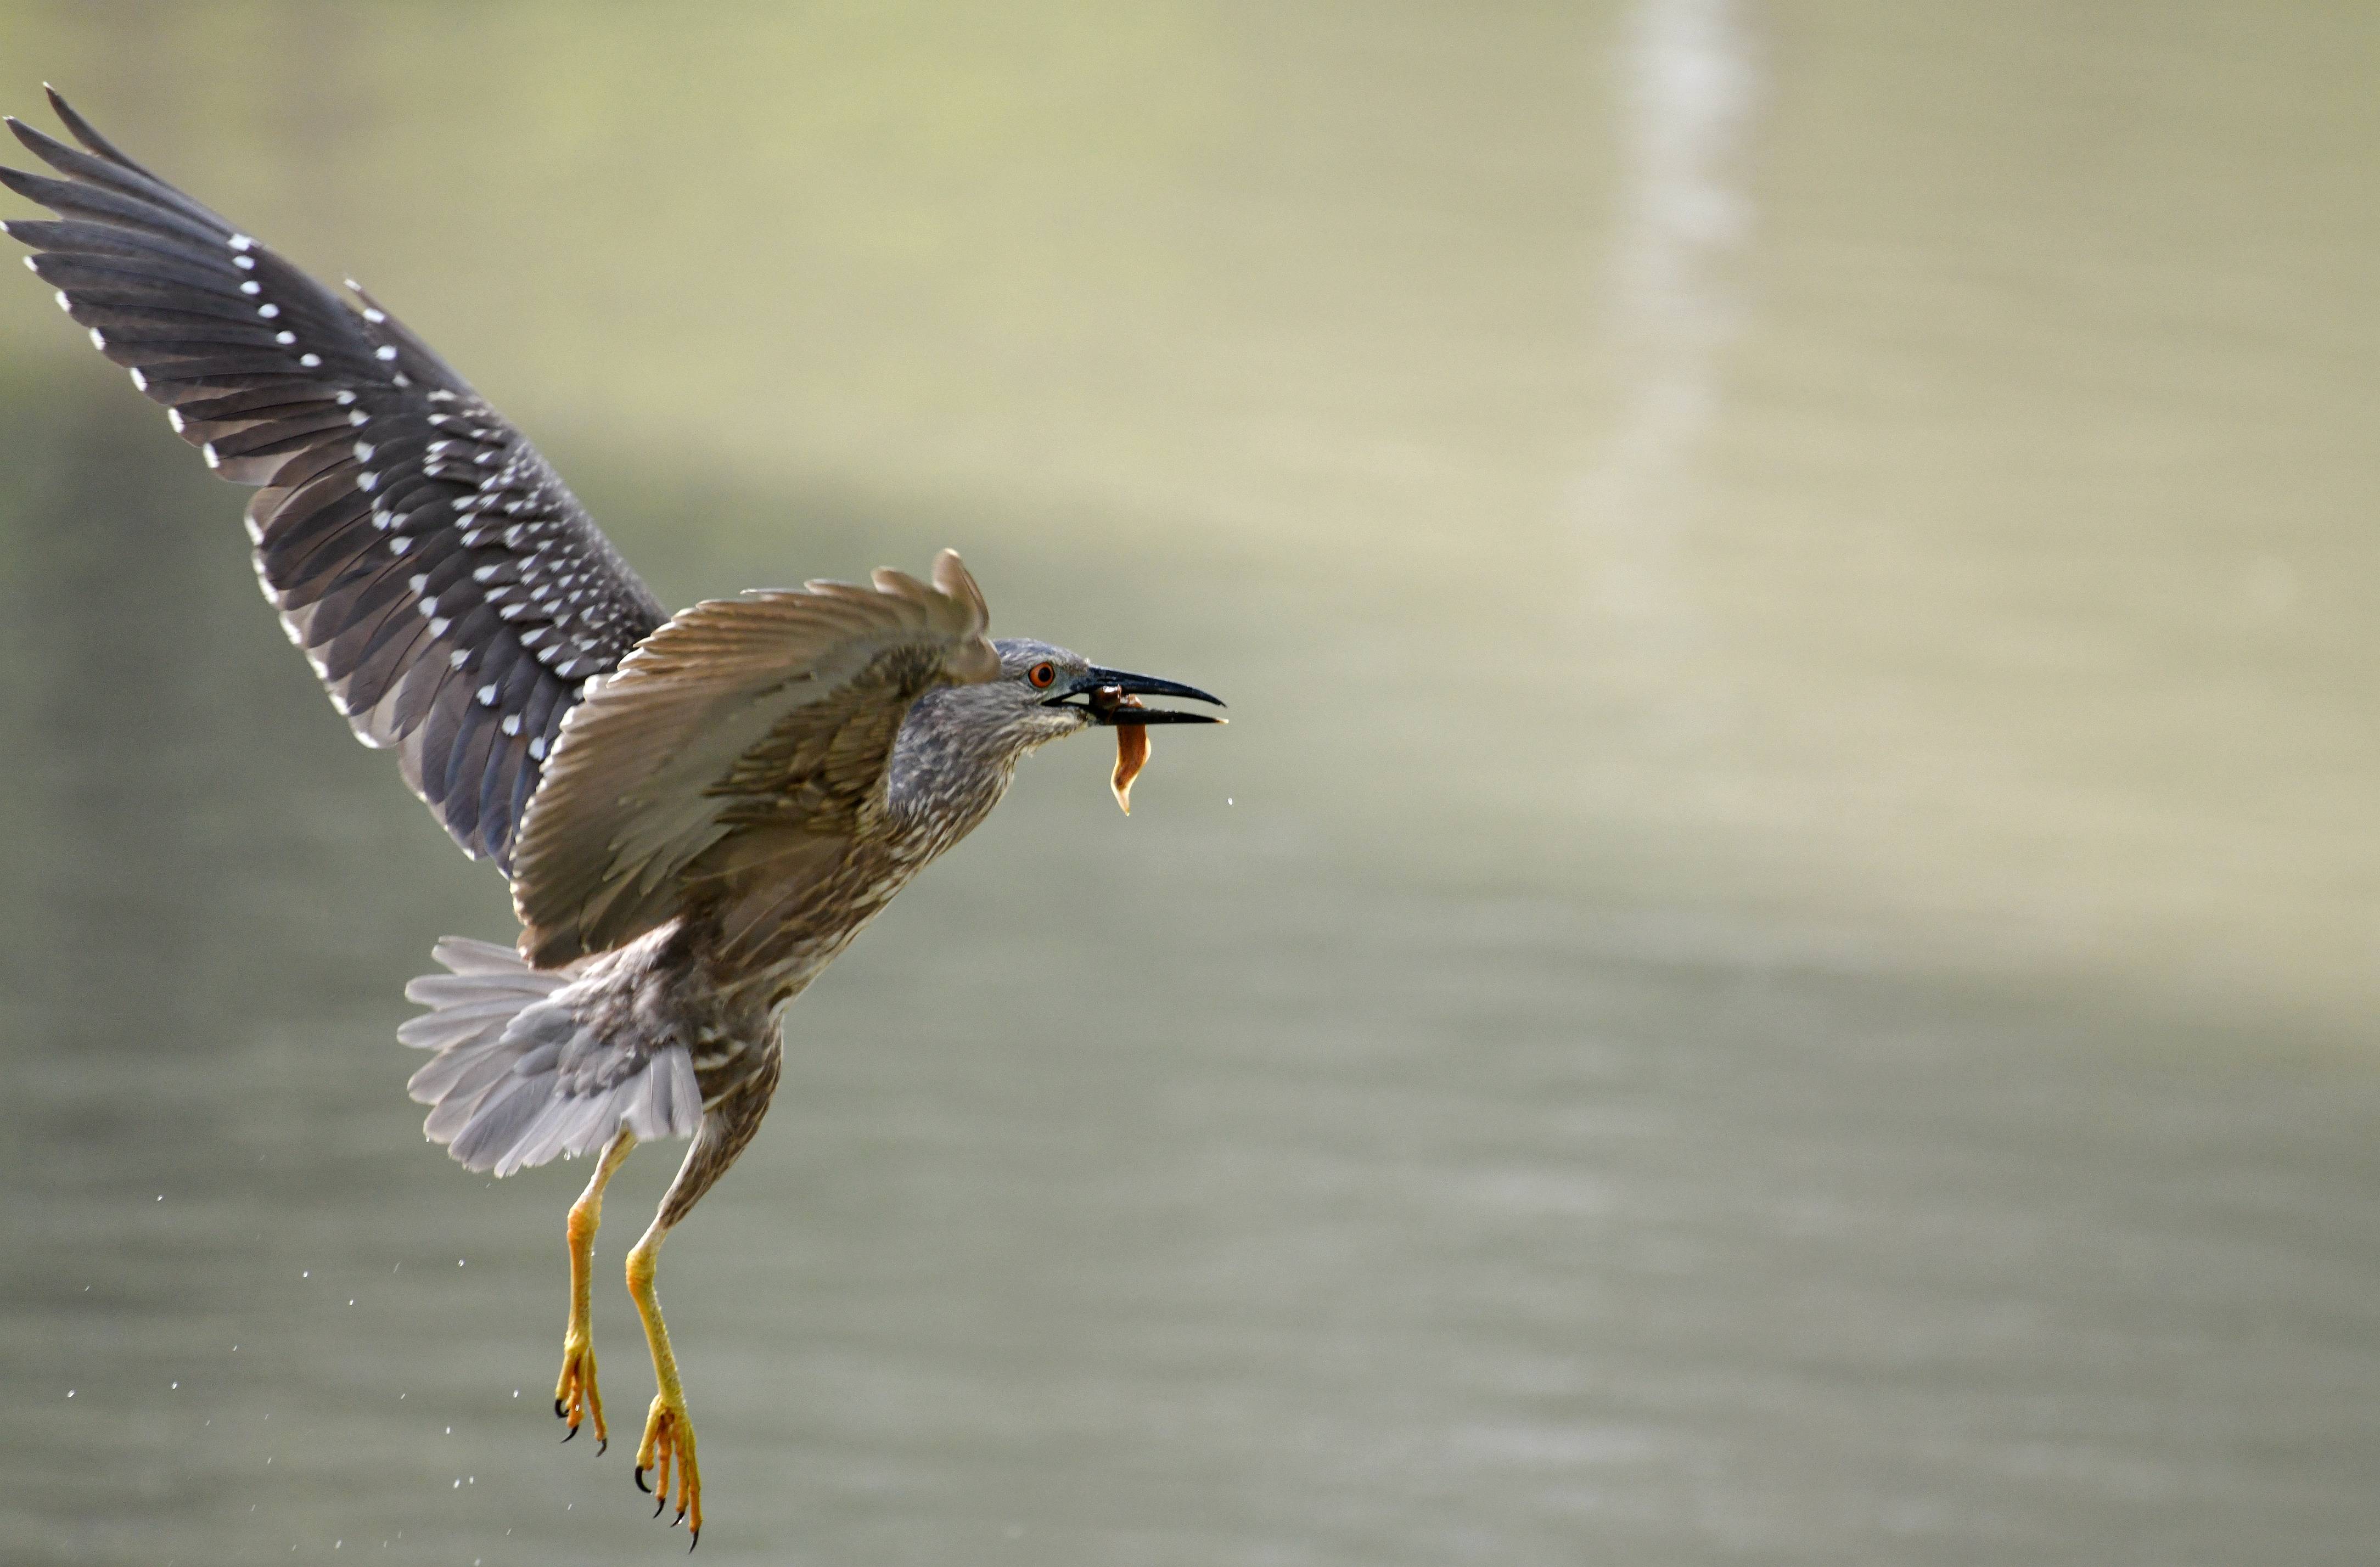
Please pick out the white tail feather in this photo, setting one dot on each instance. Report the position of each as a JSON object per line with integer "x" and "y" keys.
{"x": 518, "y": 1079}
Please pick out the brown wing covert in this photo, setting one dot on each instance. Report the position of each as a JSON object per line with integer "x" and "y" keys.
{"x": 769, "y": 716}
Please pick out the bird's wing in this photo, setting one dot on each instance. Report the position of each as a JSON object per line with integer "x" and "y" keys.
{"x": 447, "y": 588}
{"x": 768, "y": 719}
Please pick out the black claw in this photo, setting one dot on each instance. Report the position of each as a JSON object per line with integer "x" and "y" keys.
{"x": 659, "y": 1505}
{"x": 679, "y": 1519}
{"x": 640, "y": 1480}
{"x": 695, "y": 1540}
{"x": 603, "y": 1445}
{"x": 561, "y": 1410}
{"x": 570, "y": 1433}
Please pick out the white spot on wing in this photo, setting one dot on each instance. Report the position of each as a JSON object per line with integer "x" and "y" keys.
{"x": 311, "y": 361}
{"x": 242, "y": 242}
{"x": 268, "y": 312}
{"x": 387, "y": 352}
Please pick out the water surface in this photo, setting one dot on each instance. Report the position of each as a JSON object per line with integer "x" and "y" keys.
{"x": 1776, "y": 966}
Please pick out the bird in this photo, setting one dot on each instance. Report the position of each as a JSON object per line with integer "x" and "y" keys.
{"x": 697, "y": 812}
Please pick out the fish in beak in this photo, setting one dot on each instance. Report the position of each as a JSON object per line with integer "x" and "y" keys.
{"x": 1113, "y": 696}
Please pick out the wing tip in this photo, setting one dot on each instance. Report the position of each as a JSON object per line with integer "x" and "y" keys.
{"x": 954, "y": 580}
{"x": 542, "y": 946}
{"x": 43, "y": 145}
{"x": 82, "y": 130}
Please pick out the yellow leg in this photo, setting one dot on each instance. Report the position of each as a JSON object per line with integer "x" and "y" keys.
{"x": 668, "y": 1447}
{"x": 576, "y": 1393}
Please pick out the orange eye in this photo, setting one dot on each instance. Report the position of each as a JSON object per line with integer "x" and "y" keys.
{"x": 1042, "y": 675}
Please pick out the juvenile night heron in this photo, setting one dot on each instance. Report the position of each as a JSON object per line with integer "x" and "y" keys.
{"x": 697, "y": 812}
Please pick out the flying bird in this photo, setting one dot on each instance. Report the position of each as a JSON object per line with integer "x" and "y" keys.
{"x": 698, "y": 812}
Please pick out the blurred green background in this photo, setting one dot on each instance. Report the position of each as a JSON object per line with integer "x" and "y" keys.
{"x": 1776, "y": 966}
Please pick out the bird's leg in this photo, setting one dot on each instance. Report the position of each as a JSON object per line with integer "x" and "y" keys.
{"x": 576, "y": 1393}
{"x": 667, "y": 1450}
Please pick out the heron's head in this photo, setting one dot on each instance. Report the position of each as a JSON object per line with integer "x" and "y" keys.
{"x": 1045, "y": 693}
{"x": 961, "y": 744}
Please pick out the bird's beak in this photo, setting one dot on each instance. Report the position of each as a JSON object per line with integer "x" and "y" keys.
{"x": 1103, "y": 692}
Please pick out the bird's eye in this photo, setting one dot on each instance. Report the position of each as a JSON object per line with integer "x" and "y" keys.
{"x": 1042, "y": 675}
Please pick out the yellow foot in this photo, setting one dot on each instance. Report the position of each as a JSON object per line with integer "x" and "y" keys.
{"x": 575, "y": 1394}
{"x": 667, "y": 1452}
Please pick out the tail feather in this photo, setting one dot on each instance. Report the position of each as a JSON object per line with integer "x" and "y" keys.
{"x": 517, "y": 1080}
{"x": 467, "y": 958}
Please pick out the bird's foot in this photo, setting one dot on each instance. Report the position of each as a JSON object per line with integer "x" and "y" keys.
{"x": 575, "y": 1394}
{"x": 667, "y": 1453}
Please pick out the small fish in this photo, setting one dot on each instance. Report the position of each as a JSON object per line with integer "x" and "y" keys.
{"x": 1132, "y": 755}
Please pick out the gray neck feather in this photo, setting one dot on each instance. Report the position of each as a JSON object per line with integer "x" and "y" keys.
{"x": 952, "y": 762}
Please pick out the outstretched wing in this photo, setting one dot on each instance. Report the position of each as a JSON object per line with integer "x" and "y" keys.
{"x": 450, "y": 591}
{"x": 748, "y": 736}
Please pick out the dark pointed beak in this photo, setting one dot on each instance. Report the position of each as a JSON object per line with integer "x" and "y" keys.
{"x": 1103, "y": 692}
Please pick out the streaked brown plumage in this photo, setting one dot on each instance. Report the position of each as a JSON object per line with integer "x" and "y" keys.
{"x": 698, "y": 812}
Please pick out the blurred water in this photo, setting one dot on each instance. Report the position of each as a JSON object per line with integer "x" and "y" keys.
{"x": 1776, "y": 966}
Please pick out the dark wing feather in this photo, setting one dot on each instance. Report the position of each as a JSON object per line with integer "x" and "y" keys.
{"x": 450, "y": 591}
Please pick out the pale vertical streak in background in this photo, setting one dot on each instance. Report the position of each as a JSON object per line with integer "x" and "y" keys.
{"x": 1687, "y": 94}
